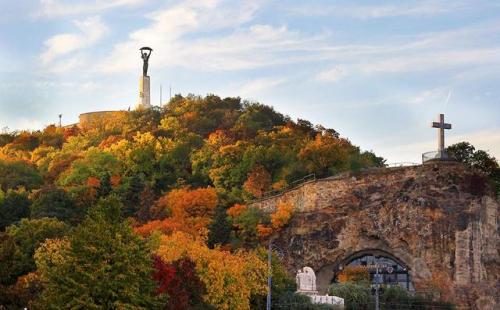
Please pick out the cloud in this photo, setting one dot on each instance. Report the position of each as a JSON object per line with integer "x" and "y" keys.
{"x": 200, "y": 36}
{"x": 461, "y": 49}
{"x": 403, "y": 9}
{"x": 259, "y": 85}
{"x": 57, "y": 8}
{"x": 91, "y": 30}
{"x": 331, "y": 75}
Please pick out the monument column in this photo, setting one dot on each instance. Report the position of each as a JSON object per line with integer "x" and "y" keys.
{"x": 144, "y": 81}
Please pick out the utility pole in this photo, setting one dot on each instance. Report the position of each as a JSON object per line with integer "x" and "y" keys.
{"x": 269, "y": 277}
{"x": 60, "y": 120}
{"x": 170, "y": 91}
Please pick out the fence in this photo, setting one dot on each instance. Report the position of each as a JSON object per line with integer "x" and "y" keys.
{"x": 437, "y": 155}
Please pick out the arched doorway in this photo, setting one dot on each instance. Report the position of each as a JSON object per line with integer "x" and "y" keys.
{"x": 391, "y": 271}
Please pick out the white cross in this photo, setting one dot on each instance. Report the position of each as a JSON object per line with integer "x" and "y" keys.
{"x": 441, "y": 125}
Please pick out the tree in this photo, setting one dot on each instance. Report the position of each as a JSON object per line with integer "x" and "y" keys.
{"x": 180, "y": 282}
{"x": 478, "y": 160}
{"x": 356, "y": 296}
{"x": 219, "y": 229}
{"x": 258, "y": 181}
{"x": 105, "y": 267}
{"x": 21, "y": 242}
{"x": 14, "y": 205}
{"x": 230, "y": 279}
{"x": 17, "y": 174}
{"x": 55, "y": 202}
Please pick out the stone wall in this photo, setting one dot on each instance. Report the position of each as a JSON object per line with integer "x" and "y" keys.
{"x": 102, "y": 120}
{"x": 440, "y": 220}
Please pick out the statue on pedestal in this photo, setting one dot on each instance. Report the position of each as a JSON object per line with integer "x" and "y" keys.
{"x": 306, "y": 280}
{"x": 145, "y": 53}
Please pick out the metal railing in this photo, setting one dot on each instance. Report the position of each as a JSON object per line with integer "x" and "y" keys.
{"x": 292, "y": 185}
{"x": 437, "y": 155}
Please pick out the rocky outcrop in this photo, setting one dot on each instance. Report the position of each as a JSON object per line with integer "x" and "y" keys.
{"x": 439, "y": 219}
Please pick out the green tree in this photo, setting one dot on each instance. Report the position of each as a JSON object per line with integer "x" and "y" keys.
{"x": 55, "y": 202}
{"x": 26, "y": 237}
{"x": 106, "y": 266}
{"x": 18, "y": 174}
{"x": 356, "y": 295}
{"x": 478, "y": 160}
{"x": 219, "y": 228}
{"x": 14, "y": 205}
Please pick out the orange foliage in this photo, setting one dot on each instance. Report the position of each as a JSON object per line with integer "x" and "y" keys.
{"x": 71, "y": 131}
{"x": 109, "y": 141}
{"x": 282, "y": 215}
{"x": 93, "y": 182}
{"x": 236, "y": 210}
{"x": 354, "y": 274}
{"x": 115, "y": 180}
{"x": 191, "y": 212}
{"x": 200, "y": 202}
{"x": 258, "y": 181}
{"x": 263, "y": 231}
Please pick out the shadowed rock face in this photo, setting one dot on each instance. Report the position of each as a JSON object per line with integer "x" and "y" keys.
{"x": 440, "y": 220}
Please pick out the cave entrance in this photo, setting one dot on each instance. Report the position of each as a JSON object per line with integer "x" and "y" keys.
{"x": 391, "y": 270}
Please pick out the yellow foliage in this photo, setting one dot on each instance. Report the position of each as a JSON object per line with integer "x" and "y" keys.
{"x": 50, "y": 253}
{"x": 354, "y": 273}
{"x": 230, "y": 279}
{"x": 282, "y": 215}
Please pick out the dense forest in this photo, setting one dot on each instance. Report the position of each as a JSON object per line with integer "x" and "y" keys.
{"x": 151, "y": 211}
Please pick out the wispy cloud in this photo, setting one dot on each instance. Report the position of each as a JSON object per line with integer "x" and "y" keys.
{"x": 228, "y": 43}
{"x": 403, "y": 8}
{"x": 58, "y": 8}
{"x": 331, "y": 75}
{"x": 257, "y": 86}
{"x": 91, "y": 30}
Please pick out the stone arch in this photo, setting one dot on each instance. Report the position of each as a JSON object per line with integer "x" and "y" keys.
{"x": 326, "y": 273}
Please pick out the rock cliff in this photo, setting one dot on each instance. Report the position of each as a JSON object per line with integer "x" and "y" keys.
{"x": 440, "y": 220}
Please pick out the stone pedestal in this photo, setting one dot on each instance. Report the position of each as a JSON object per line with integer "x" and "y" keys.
{"x": 144, "y": 93}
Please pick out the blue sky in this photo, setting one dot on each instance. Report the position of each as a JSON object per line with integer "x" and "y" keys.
{"x": 377, "y": 71}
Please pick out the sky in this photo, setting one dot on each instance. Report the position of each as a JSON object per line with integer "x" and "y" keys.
{"x": 378, "y": 72}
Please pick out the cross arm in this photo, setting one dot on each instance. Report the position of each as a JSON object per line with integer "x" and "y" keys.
{"x": 439, "y": 125}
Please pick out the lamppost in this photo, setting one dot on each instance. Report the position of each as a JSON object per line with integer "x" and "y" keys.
{"x": 272, "y": 247}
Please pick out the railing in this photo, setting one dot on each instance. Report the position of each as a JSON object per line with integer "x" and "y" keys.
{"x": 437, "y": 155}
{"x": 312, "y": 177}
{"x": 292, "y": 185}
{"x": 401, "y": 164}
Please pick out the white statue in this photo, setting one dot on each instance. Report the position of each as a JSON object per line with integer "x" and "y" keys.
{"x": 306, "y": 284}
{"x": 306, "y": 280}
{"x": 311, "y": 284}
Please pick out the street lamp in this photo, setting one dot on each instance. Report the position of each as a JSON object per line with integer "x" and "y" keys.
{"x": 272, "y": 247}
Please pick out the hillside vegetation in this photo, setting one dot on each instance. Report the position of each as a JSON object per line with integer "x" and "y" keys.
{"x": 162, "y": 192}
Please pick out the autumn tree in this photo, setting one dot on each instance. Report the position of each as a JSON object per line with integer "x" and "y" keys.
{"x": 258, "y": 181}
{"x": 105, "y": 267}
{"x": 180, "y": 282}
{"x": 230, "y": 279}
